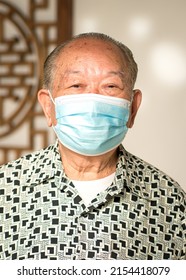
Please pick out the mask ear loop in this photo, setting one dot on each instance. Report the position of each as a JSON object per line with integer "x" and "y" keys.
{"x": 51, "y": 97}
{"x": 132, "y": 97}
{"x": 131, "y": 100}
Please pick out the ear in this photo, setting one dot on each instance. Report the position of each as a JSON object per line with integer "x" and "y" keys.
{"x": 47, "y": 106}
{"x": 137, "y": 97}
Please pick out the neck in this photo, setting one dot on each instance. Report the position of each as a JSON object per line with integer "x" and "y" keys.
{"x": 79, "y": 167}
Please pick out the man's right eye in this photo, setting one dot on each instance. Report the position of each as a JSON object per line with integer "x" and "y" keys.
{"x": 76, "y": 86}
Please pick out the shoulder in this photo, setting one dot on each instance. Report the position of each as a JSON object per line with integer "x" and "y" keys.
{"x": 24, "y": 167}
{"x": 27, "y": 160}
{"x": 153, "y": 181}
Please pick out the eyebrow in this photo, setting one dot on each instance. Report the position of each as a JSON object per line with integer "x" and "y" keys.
{"x": 117, "y": 73}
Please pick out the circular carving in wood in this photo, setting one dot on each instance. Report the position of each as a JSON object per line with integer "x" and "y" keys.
{"x": 19, "y": 68}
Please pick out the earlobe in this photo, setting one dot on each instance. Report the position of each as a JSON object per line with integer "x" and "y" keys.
{"x": 137, "y": 97}
{"x": 45, "y": 102}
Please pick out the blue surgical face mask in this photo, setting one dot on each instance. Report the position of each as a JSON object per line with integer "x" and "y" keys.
{"x": 91, "y": 124}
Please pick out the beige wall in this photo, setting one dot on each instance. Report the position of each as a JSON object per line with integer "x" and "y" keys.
{"x": 155, "y": 32}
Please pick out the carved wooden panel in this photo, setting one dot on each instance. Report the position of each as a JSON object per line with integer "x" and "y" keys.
{"x": 29, "y": 30}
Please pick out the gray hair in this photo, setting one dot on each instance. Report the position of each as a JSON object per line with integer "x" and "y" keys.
{"x": 50, "y": 62}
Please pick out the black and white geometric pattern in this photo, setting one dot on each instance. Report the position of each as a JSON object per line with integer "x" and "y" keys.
{"x": 140, "y": 216}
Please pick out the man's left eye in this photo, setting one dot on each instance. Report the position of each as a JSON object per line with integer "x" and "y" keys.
{"x": 76, "y": 86}
{"x": 112, "y": 86}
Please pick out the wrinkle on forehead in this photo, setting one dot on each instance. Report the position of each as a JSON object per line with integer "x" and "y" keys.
{"x": 119, "y": 73}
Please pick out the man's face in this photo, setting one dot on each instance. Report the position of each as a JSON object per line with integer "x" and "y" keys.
{"x": 89, "y": 66}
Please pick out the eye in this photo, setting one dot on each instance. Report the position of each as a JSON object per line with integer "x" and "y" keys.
{"x": 112, "y": 86}
{"x": 75, "y": 86}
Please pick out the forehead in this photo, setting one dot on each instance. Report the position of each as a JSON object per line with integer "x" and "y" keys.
{"x": 84, "y": 42}
{"x": 91, "y": 48}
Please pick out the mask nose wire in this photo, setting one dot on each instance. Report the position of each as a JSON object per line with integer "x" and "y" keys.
{"x": 52, "y": 99}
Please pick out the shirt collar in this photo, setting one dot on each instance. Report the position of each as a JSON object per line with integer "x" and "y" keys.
{"x": 132, "y": 170}
{"x": 49, "y": 165}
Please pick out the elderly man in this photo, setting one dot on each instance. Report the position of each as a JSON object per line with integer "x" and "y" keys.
{"x": 86, "y": 197}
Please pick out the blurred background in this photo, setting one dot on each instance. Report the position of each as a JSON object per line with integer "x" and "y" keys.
{"x": 153, "y": 30}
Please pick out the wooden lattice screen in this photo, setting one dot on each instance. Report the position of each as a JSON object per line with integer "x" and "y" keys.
{"x": 29, "y": 30}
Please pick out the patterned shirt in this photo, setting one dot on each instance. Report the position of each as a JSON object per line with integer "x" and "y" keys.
{"x": 140, "y": 216}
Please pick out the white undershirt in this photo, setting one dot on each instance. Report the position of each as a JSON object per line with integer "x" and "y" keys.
{"x": 89, "y": 189}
